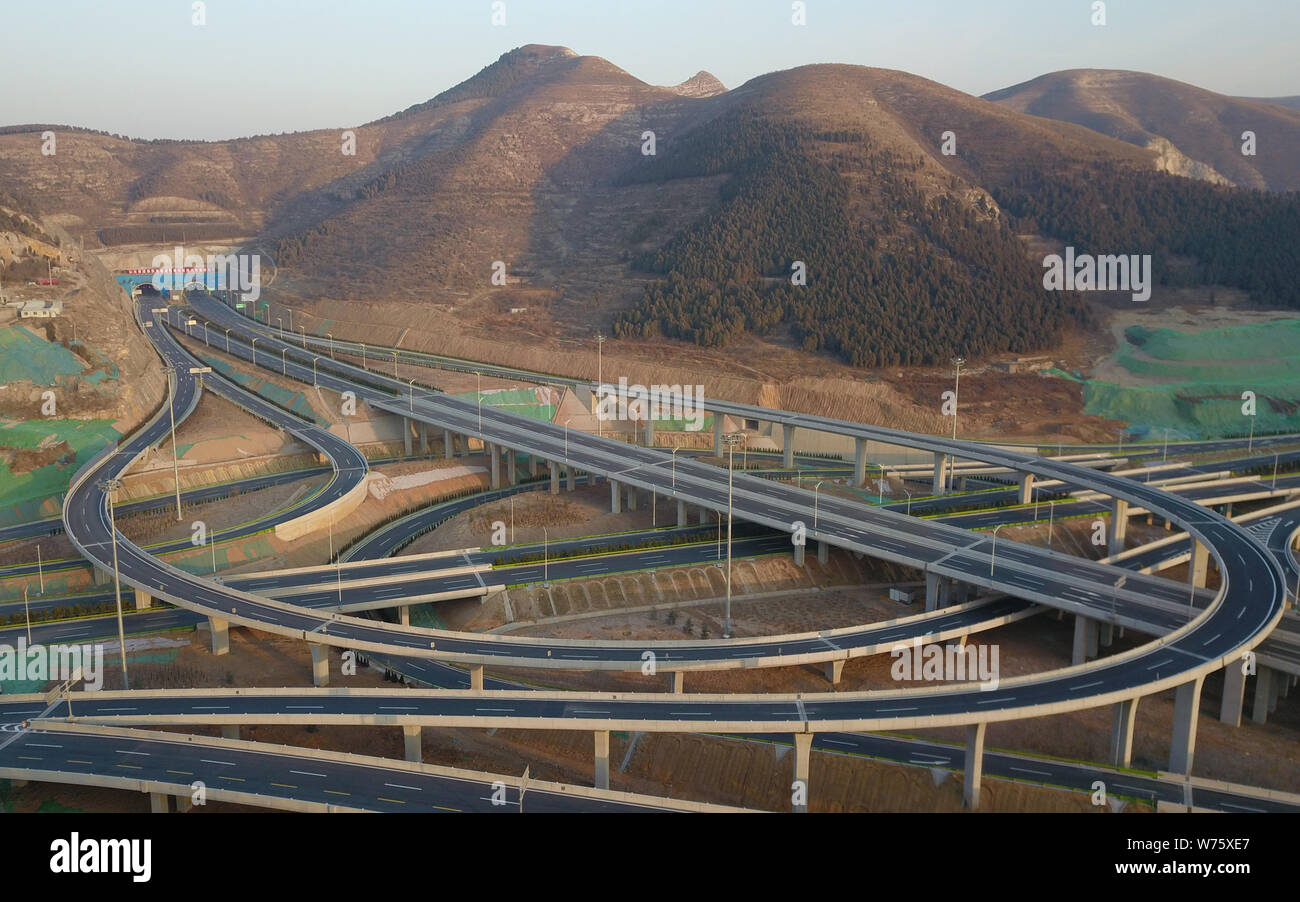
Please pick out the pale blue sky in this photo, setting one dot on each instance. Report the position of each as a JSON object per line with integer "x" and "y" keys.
{"x": 139, "y": 67}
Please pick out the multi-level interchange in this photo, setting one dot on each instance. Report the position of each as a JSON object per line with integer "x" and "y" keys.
{"x": 973, "y": 582}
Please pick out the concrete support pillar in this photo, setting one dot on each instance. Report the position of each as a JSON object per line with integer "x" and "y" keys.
{"x": 632, "y": 492}
{"x": 1234, "y": 694}
{"x": 1263, "y": 689}
{"x": 1118, "y": 525}
{"x": 1121, "y": 734}
{"x": 1107, "y": 636}
{"x": 802, "y": 760}
{"x": 717, "y": 434}
{"x": 1199, "y": 565}
{"x": 932, "y": 581}
{"x": 220, "y": 635}
{"x": 512, "y": 467}
{"x": 615, "y": 497}
{"x": 602, "y": 759}
{"x": 860, "y": 461}
{"x": 681, "y": 512}
{"x": 476, "y": 678}
{"x": 940, "y": 463}
{"x": 320, "y": 664}
{"x": 143, "y": 600}
{"x": 834, "y": 670}
{"x": 230, "y": 731}
{"x": 555, "y": 477}
{"x": 823, "y": 553}
{"x": 571, "y": 478}
{"x": 532, "y": 466}
{"x": 679, "y": 682}
{"x": 406, "y": 436}
{"x": 799, "y": 555}
{"x": 404, "y": 615}
{"x": 1274, "y": 691}
{"x": 494, "y": 463}
{"x": 160, "y": 803}
{"x": 448, "y": 444}
{"x": 1085, "y": 639}
{"x": 704, "y": 515}
{"x": 424, "y": 437}
{"x": 1026, "y": 488}
{"x": 970, "y": 791}
{"x": 183, "y": 804}
{"x": 1182, "y": 747}
{"x": 413, "y": 747}
{"x": 787, "y": 446}
{"x": 101, "y": 575}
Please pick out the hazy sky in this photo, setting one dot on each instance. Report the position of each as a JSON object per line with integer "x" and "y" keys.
{"x": 141, "y": 68}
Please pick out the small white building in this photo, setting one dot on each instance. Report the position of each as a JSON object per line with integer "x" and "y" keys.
{"x": 40, "y": 309}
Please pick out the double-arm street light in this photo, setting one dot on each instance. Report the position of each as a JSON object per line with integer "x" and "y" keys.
{"x": 731, "y": 439}
{"x": 110, "y": 488}
{"x": 994, "y": 553}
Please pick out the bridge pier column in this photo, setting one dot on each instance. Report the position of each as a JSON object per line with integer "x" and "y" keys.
{"x": 802, "y": 760}
{"x": 860, "y": 461}
{"x": 1263, "y": 689}
{"x": 1182, "y": 747}
{"x": 220, "y": 630}
{"x": 413, "y": 745}
{"x": 615, "y": 497}
{"x": 940, "y": 463}
{"x": 476, "y": 678}
{"x": 632, "y": 492}
{"x": 571, "y": 478}
{"x": 703, "y": 515}
{"x": 602, "y": 759}
{"x": 1107, "y": 634}
{"x": 512, "y": 467}
{"x": 404, "y": 615}
{"x": 320, "y": 664}
{"x": 1234, "y": 694}
{"x": 555, "y": 476}
{"x": 834, "y": 670}
{"x": 1085, "y": 639}
{"x": 101, "y": 575}
{"x": 160, "y": 803}
{"x": 1026, "y": 488}
{"x": 230, "y": 731}
{"x": 679, "y": 682}
{"x": 717, "y": 434}
{"x": 932, "y": 582}
{"x": 970, "y": 791}
{"x": 448, "y": 444}
{"x": 424, "y": 437}
{"x": 533, "y": 464}
{"x": 823, "y": 553}
{"x": 1274, "y": 691}
{"x": 1118, "y": 525}
{"x": 1121, "y": 734}
{"x": 799, "y": 555}
{"x": 787, "y": 446}
{"x": 494, "y": 463}
{"x": 143, "y": 600}
{"x": 1199, "y": 565}
{"x": 681, "y": 512}
{"x": 406, "y": 436}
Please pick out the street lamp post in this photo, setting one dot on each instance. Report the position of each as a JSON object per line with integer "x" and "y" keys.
{"x": 993, "y": 554}
{"x": 227, "y": 341}
{"x": 479, "y": 395}
{"x": 284, "y": 362}
{"x": 673, "y": 455}
{"x": 732, "y": 439}
{"x": 330, "y": 336}
{"x": 28, "y": 613}
{"x": 957, "y": 363}
{"x": 1119, "y": 584}
{"x": 600, "y": 379}
{"x": 546, "y": 558}
{"x": 110, "y": 488}
{"x": 566, "y": 440}
{"x": 411, "y": 402}
{"x": 816, "y": 489}
{"x": 313, "y": 370}
{"x": 1051, "y": 519}
{"x": 1275, "y": 453}
{"x": 171, "y": 411}
{"x": 254, "y": 352}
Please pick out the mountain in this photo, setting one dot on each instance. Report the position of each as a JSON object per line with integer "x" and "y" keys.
{"x": 1292, "y": 102}
{"x": 676, "y": 214}
{"x": 1195, "y": 132}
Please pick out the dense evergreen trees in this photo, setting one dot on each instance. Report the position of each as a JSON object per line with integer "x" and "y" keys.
{"x": 921, "y": 281}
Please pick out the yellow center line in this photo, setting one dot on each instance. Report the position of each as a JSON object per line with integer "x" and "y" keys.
{"x": 129, "y": 766}
{"x": 236, "y": 779}
{"x": 185, "y": 772}
{"x": 27, "y": 758}
{"x": 440, "y": 808}
{"x": 394, "y": 801}
{"x": 78, "y": 761}
{"x": 285, "y": 785}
